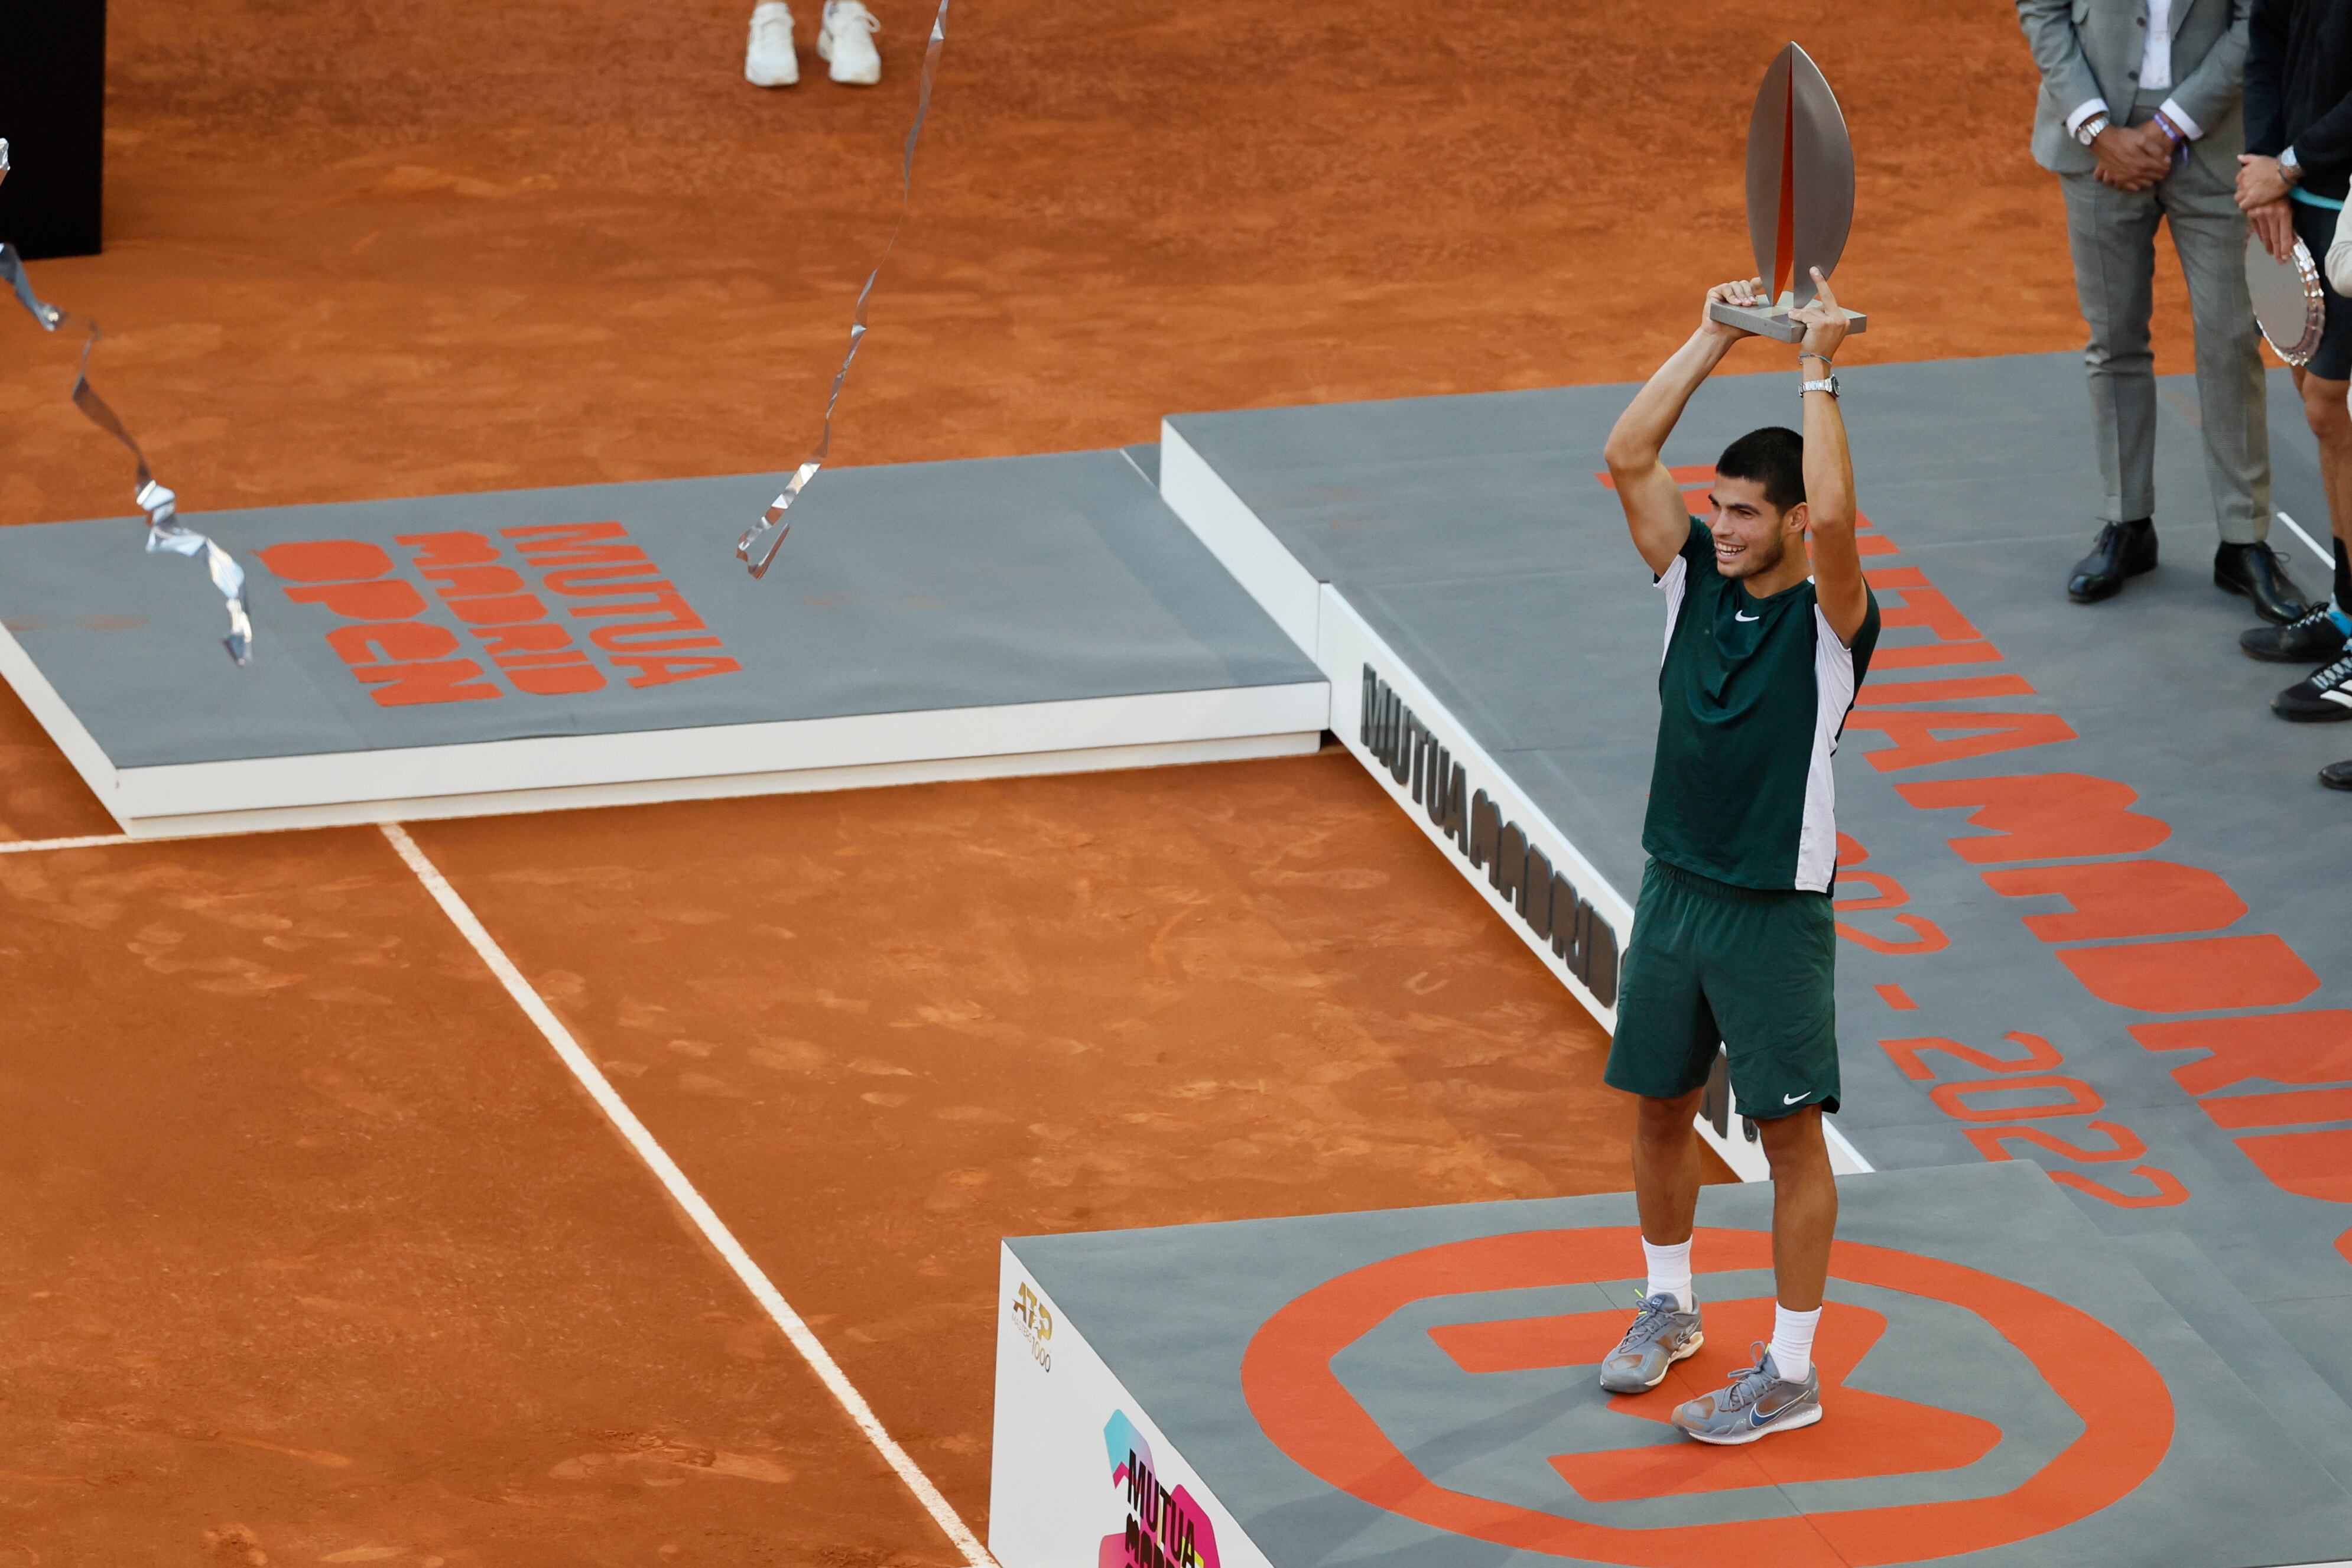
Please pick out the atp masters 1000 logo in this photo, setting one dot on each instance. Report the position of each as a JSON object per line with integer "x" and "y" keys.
{"x": 1035, "y": 1321}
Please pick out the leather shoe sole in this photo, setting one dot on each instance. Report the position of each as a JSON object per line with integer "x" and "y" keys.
{"x": 2124, "y": 549}
{"x": 2090, "y": 586}
{"x": 2275, "y": 598}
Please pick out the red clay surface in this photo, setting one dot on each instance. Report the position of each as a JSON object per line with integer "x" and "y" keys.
{"x": 315, "y": 1254}
{"x": 882, "y": 1031}
{"x": 382, "y": 248}
{"x": 295, "y": 1184}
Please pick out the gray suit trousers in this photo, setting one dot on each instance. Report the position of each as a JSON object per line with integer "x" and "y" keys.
{"x": 2113, "y": 234}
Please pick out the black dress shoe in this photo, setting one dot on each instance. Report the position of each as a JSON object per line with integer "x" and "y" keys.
{"x": 2125, "y": 549}
{"x": 2311, "y": 638}
{"x": 2254, "y": 571}
{"x": 2336, "y": 775}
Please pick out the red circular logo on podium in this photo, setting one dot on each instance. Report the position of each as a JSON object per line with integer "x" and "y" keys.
{"x": 2125, "y": 1408}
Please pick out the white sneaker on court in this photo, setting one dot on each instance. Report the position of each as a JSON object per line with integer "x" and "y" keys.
{"x": 846, "y": 38}
{"x": 769, "y": 59}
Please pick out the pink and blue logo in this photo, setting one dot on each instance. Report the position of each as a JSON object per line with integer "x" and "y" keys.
{"x": 1165, "y": 1528}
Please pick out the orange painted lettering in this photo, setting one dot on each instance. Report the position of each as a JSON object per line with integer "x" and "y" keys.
{"x": 1919, "y": 738}
{"x": 391, "y": 599}
{"x": 2042, "y": 816}
{"x": 661, "y": 670}
{"x": 326, "y": 561}
{"x": 2313, "y": 1046}
{"x": 2202, "y": 973}
{"x": 473, "y": 581}
{"x": 503, "y": 611}
{"x": 392, "y": 641}
{"x": 2040, "y": 1054}
{"x": 2123, "y": 898}
{"x": 543, "y": 638}
{"x": 438, "y": 551}
{"x": 440, "y": 681}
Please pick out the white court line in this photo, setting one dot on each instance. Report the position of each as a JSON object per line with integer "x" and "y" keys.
{"x": 714, "y": 1230}
{"x": 33, "y": 846}
{"x": 2326, "y": 557}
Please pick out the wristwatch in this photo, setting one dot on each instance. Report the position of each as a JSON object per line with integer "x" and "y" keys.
{"x": 1828, "y": 384}
{"x": 2088, "y": 131}
{"x": 2290, "y": 168}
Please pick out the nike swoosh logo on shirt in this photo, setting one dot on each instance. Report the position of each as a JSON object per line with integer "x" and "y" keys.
{"x": 1737, "y": 616}
{"x": 1793, "y": 1099}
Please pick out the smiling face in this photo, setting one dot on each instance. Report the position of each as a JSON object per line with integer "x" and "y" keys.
{"x": 1752, "y": 536}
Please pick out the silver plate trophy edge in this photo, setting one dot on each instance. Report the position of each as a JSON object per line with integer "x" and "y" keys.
{"x": 2289, "y": 305}
{"x": 1796, "y": 116}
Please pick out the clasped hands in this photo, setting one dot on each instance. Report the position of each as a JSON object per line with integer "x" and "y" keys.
{"x": 2131, "y": 157}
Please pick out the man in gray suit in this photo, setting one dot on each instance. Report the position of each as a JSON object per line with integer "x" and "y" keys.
{"x": 2139, "y": 117}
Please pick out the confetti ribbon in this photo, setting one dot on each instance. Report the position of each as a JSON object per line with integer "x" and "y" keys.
{"x": 773, "y": 521}
{"x": 164, "y": 531}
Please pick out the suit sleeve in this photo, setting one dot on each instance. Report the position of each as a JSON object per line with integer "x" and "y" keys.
{"x": 2212, "y": 89}
{"x": 2058, "y": 51}
{"x": 2265, "y": 75}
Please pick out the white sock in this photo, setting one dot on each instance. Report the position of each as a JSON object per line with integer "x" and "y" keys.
{"x": 1669, "y": 1272}
{"x": 1792, "y": 1342}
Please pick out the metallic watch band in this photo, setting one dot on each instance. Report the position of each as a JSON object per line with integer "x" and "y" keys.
{"x": 1829, "y": 385}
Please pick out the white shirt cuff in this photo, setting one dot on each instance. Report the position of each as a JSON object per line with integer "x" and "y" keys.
{"x": 2179, "y": 117}
{"x": 2095, "y": 106}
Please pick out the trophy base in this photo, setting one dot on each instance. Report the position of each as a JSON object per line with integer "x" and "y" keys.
{"x": 1774, "y": 321}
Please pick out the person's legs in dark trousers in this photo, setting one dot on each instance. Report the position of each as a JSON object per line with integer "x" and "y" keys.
{"x": 2324, "y": 383}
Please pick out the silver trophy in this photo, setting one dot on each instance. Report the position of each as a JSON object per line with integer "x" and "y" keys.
{"x": 1800, "y": 195}
{"x": 2288, "y": 305}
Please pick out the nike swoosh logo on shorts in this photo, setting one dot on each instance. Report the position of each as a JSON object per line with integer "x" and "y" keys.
{"x": 1737, "y": 616}
{"x": 1793, "y": 1099}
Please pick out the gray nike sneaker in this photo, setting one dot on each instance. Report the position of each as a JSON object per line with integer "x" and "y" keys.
{"x": 1663, "y": 1333}
{"x": 1758, "y": 1403}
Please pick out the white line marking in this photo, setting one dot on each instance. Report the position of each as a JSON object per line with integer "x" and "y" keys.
{"x": 706, "y": 1219}
{"x": 2326, "y": 557}
{"x": 33, "y": 846}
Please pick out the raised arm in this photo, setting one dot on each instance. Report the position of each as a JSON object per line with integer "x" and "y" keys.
{"x": 1838, "y": 587}
{"x": 1655, "y": 512}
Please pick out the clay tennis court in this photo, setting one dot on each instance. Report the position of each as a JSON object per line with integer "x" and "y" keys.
{"x": 319, "y": 1253}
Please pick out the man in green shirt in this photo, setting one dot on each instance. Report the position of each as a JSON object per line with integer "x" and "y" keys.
{"x": 1733, "y": 938}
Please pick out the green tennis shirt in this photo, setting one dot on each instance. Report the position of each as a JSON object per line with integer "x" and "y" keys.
{"x": 1753, "y": 695}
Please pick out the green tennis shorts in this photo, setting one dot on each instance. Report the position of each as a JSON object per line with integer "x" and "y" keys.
{"x": 1753, "y": 970}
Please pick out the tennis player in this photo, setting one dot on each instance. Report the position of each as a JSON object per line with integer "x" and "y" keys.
{"x": 1733, "y": 939}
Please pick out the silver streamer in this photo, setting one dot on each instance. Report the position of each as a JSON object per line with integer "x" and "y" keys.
{"x": 164, "y": 531}
{"x": 773, "y": 521}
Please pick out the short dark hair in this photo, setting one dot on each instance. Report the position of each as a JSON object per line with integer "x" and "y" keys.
{"x": 1774, "y": 457}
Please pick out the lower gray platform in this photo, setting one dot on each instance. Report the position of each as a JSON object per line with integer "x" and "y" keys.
{"x": 481, "y": 652}
{"x": 2002, "y": 1388}
{"x": 2093, "y": 901}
